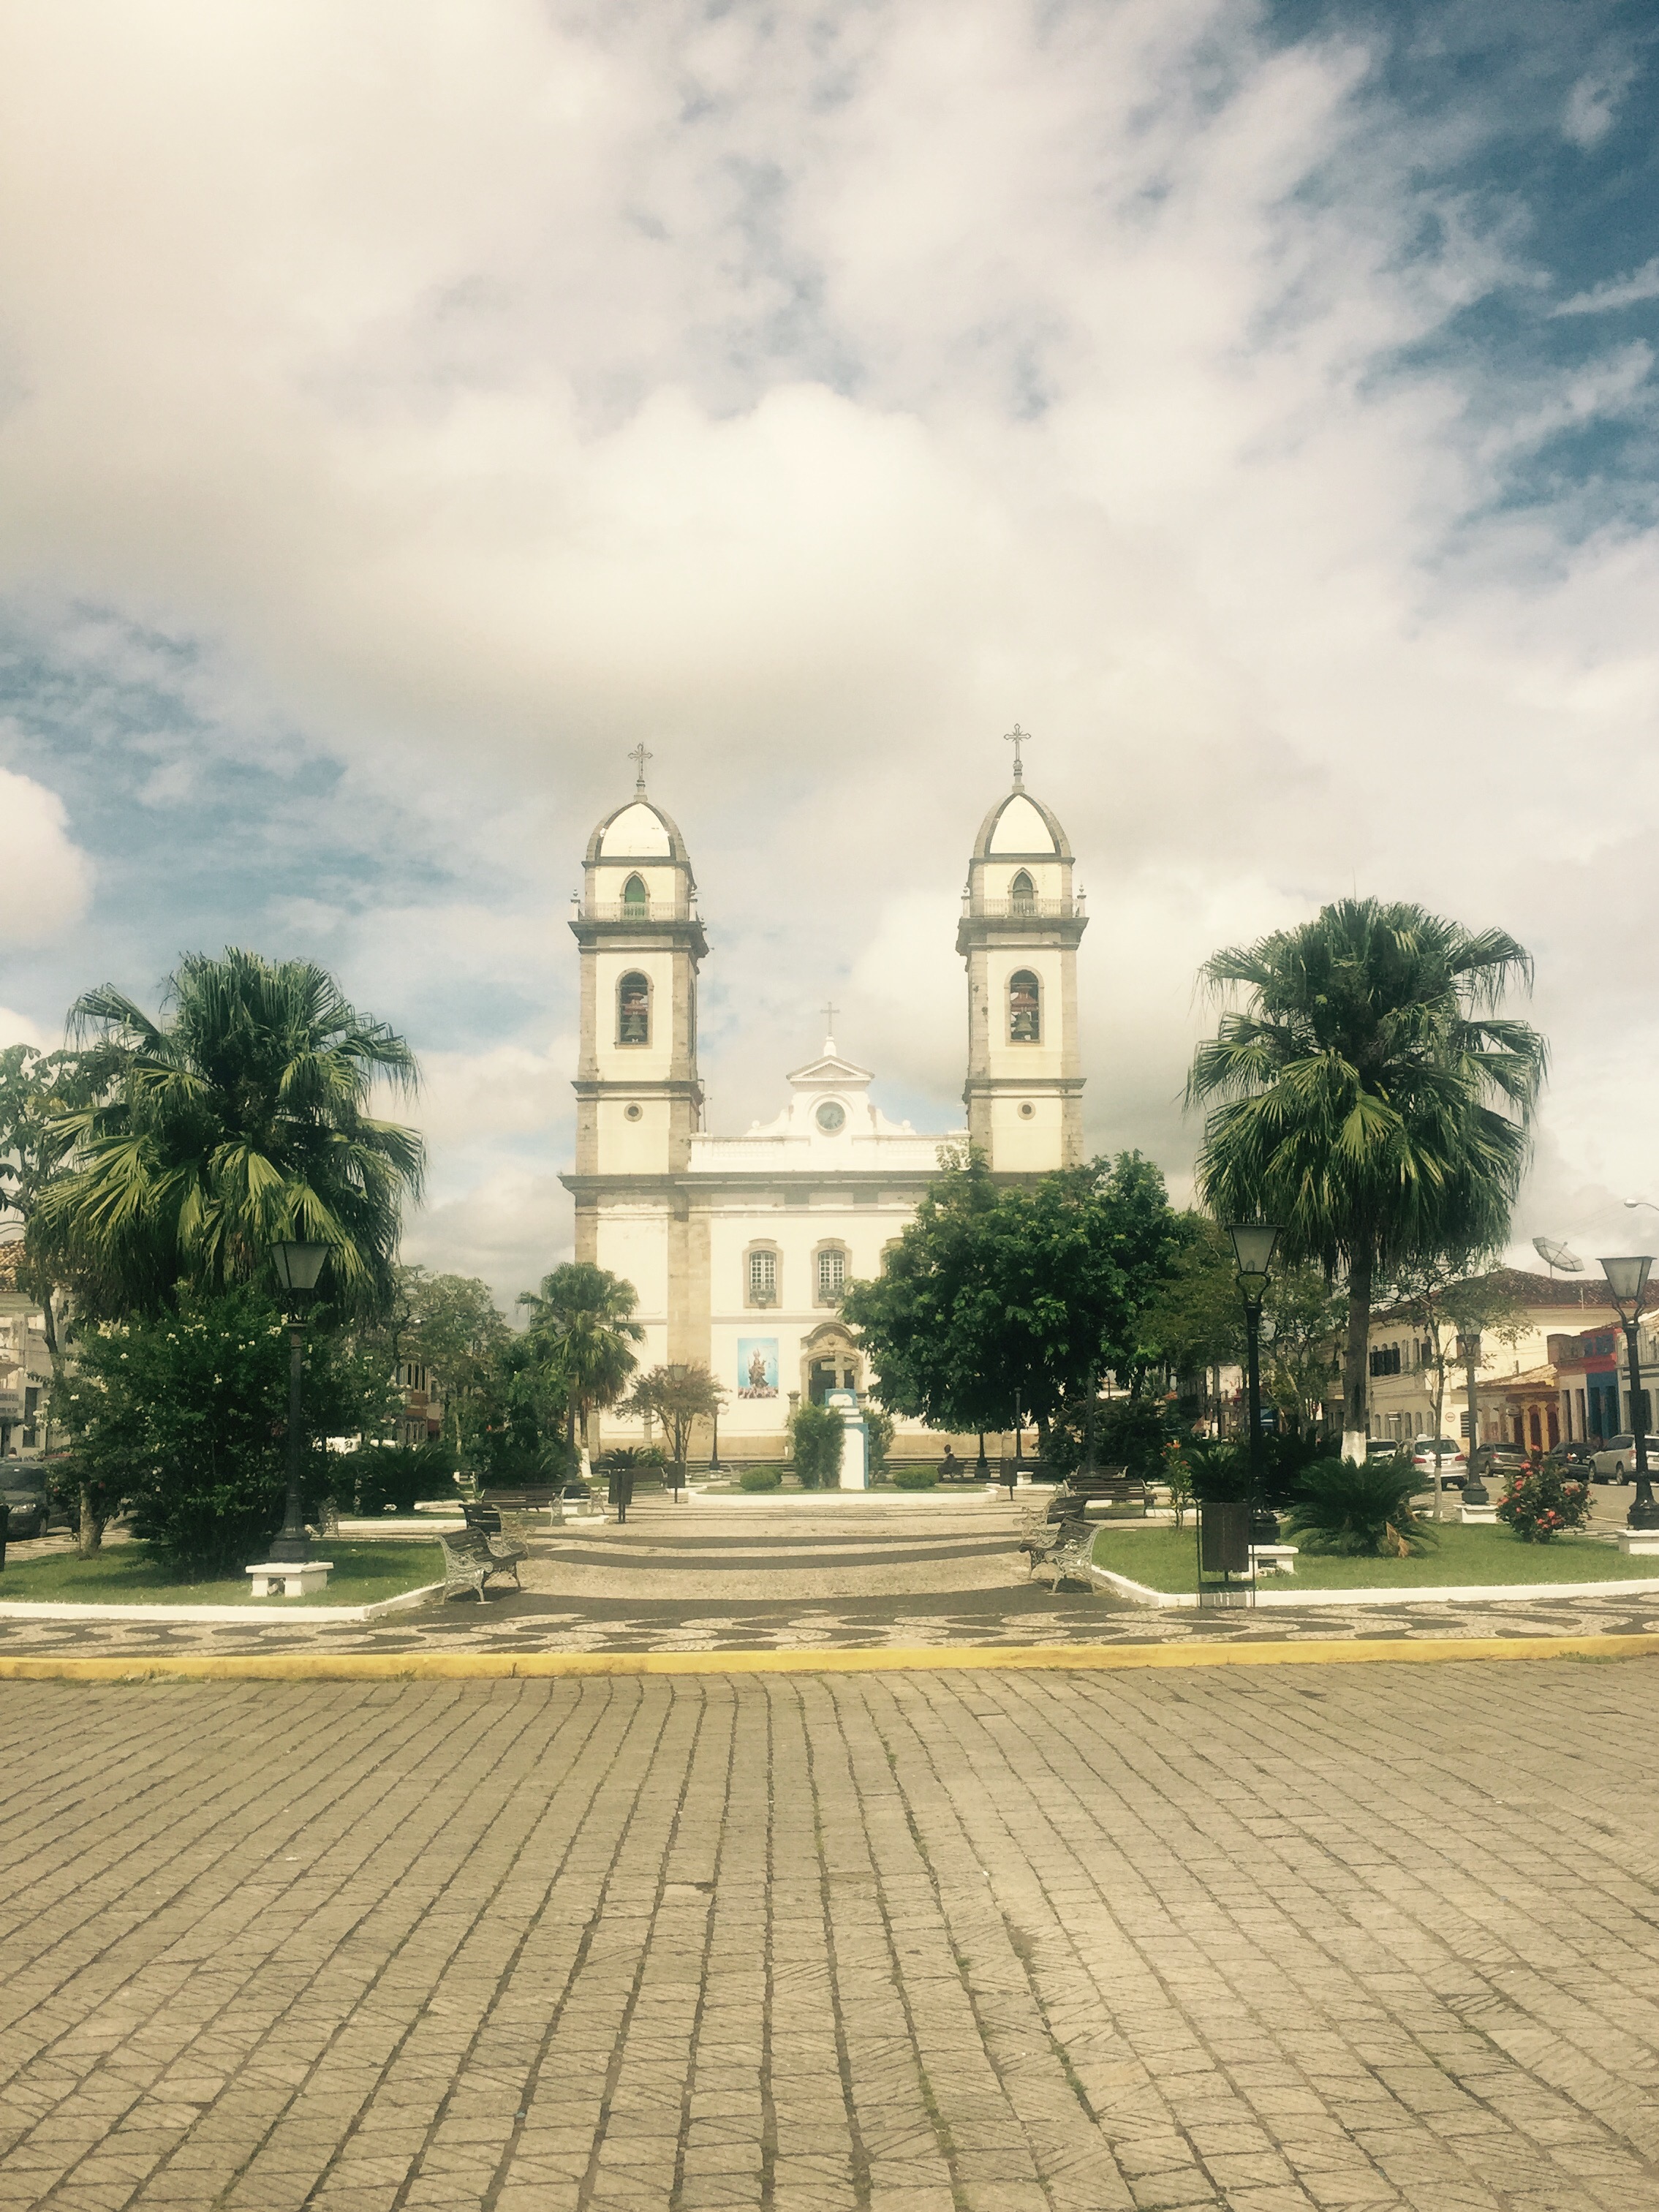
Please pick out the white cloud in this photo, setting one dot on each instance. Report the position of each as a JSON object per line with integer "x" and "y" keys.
{"x": 1630, "y": 291}
{"x": 45, "y": 880}
{"x": 18, "y": 1028}
{"x": 1594, "y": 102}
{"x": 811, "y": 391}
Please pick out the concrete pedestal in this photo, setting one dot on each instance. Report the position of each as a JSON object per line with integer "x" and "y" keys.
{"x": 275, "y": 1579}
{"x": 1273, "y": 1559}
{"x": 1639, "y": 1543}
{"x": 855, "y": 1439}
{"x": 1475, "y": 1517}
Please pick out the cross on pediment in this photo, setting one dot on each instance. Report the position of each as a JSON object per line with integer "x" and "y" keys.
{"x": 1017, "y": 738}
{"x": 640, "y": 756}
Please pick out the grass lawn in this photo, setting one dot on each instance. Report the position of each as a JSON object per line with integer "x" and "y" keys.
{"x": 1165, "y": 1559}
{"x": 127, "y": 1575}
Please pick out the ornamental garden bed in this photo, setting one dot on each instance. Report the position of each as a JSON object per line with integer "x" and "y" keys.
{"x": 1166, "y": 1559}
{"x": 364, "y": 1574}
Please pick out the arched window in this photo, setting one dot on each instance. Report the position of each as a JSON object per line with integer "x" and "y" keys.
{"x": 634, "y": 1009}
{"x": 832, "y": 1273}
{"x": 1024, "y": 1008}
{"x": 1022, "y": 894}
{"x": 635, "y": 898}
{"x": 763, "y": 1278}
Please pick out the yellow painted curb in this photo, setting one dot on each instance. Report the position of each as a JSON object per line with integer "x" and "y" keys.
{"x": 533, "y": 1666}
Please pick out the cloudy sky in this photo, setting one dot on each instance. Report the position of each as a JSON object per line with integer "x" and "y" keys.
{"x": 406, "y": 407}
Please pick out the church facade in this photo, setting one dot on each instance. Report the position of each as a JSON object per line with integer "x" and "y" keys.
{"x": 740, "y": 1246}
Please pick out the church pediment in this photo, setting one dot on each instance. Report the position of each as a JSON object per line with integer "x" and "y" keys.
{"x": 830, "y": 1072}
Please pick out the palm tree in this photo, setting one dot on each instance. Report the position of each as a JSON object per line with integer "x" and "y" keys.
{"x": 582, "y": 1322}
{"x": 237, "y": 1118}
{"x": 1370, "y": 1097}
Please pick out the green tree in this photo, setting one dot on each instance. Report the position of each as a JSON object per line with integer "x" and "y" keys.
{"x": 1193, "y": 1322}
{"x": 677, "y": 1397}
{"x": 1369, "y": 1098}
{"x": 582, "y": 1326}
{"x": 1000, "y": 1296}
{"x": 1303, "y": 1321}
{"x": 817, "y": 1439}
{"x": 238, "y": 1118}
{"x": 38, "y": 1090}
{"x": 183, "y": 1418}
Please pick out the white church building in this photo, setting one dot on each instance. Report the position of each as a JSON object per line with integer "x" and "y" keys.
{"x": 740, "y": 1246}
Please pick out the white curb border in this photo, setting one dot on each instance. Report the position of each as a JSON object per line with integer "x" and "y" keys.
{"x": 1542, "y": 1593}
{"x": 254, "y": 1611}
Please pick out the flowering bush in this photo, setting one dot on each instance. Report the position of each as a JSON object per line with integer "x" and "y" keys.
{"x": 1541, "y": 1501}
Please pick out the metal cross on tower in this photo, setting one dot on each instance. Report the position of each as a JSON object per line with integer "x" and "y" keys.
{"x": 641, "y": 757}
{"x": 1017, "y": 738}
{"x": 830, "y": 1010}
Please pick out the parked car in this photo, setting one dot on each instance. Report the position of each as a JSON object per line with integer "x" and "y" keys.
{"x": 1381, "y": 1448}
{"x": 25, "y": 1494}
{"x": 1572, "y": 1456}
{"x": 1439, "y": 1456}
{"x": 1500, "y": 1460}
{"x": 1614, "y": 1459}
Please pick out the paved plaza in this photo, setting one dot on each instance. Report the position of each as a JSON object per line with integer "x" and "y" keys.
{"x": 972, "y": 1941}
{"x": 808, "y": 1575}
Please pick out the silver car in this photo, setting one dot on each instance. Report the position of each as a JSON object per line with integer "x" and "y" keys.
{"x": 1615, "y": 1459}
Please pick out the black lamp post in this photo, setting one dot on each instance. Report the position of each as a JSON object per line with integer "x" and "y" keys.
{"x": 1253, "y": 1251}
{"x": 298, "y": 1266}
{"x": 1627, "y": 1280}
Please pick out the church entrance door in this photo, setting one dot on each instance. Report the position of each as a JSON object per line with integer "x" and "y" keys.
{"x": 822, "y": 1377}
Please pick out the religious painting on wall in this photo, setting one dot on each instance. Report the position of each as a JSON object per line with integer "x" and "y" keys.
{"x": 757, "y": 1367}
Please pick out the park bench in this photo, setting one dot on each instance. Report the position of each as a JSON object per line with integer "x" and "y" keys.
{"x": 1065, "y": 1551}
{"x": 1111, "y": 1487}
{"x": 472, "y": 1555}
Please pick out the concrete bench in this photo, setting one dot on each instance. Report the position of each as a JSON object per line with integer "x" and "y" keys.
{"x": 1273, "y": 1559}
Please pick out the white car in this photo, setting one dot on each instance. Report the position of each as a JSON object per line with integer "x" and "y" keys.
{"x": 1615, "y": 1459}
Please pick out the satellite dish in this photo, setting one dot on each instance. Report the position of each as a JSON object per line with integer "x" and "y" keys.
{"x": 1557, "y": 1256}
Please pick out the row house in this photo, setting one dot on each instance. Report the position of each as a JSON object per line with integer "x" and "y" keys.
{"x": 1516, "y": 1389}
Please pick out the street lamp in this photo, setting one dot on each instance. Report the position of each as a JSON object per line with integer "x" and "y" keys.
{"x": 298, "y": 1266}
{"x": 1626, "y": 1279}
{"x": 1253, "y": 1252}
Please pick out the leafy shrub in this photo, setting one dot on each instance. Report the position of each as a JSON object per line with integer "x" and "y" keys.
{"x": 1177, "y": 1474}
{"x": 761, "y": 1477}
{"x": 815, "y": 1437}
{"x": 879, "y": 1439}
{"x": 1358, "y": 1511}
{"x": 1539, "y": 1505}
{"x": 393, "y": 1476}
{"x": 914, "y": 1478}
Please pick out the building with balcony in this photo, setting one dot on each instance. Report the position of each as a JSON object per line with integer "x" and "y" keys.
{"x": 1517, "y": 1390}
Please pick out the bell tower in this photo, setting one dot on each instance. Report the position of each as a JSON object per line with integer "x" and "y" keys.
{"x": 638, "y": 1098}
{"x": 1020, "y": 925}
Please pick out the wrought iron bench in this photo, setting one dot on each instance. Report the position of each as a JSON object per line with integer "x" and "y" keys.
{"x": 471, "y": 1555}
{"x": 1065, "y": 1551}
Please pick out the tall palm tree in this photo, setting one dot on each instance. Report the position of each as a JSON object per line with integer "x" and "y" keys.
{"x": 236, "y": 1119}
{"x": 582, "y": 1322}
{"x": 1370, "y": 1097}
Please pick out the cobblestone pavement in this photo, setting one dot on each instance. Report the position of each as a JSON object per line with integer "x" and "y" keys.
{"x": 1379, "y": 1937}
